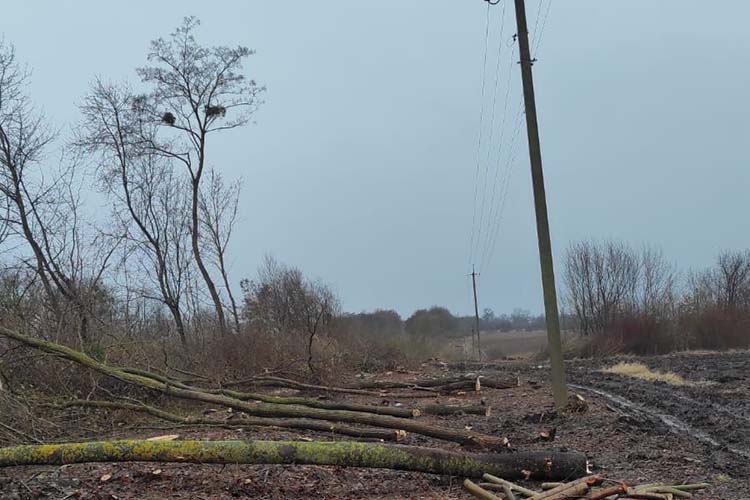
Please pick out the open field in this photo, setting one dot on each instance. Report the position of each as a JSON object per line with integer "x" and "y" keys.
{"x": 632, "y": 429}
{"x": 497, "y": 345}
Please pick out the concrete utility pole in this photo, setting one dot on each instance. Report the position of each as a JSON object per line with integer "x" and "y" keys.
{"x": 559, "y": 389}
{"x": 476, "y": 313}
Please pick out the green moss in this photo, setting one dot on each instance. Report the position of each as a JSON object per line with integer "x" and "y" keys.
{"x": 343, "y": 453}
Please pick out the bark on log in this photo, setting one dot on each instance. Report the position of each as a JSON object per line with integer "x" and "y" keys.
{"x": 393, "y": 411}
{"x": 263, "y": 410}
{"x": 572, "y": 489}
{"x": 478, "y": 491}
{"x": 343, "y": 453}
{"x": 422, "y": 392}
{"x": 493, "y": 382}
{"x": 283, "y": 423}
{"x": 457, "y": 410}
{"x": 283, "y": 400}
{"x": 512, "y": 486}
{"x": 606, "y": 492}
{"x": 270, "y": 381}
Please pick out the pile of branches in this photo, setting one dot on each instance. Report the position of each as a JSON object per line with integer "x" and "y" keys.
{"x": 364, "y": 421}
{"x": 586, "y": 488}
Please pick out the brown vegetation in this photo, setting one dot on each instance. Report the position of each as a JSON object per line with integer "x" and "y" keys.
{"x": 625, "y": 300}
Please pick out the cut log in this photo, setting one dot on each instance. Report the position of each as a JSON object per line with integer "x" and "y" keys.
{"x": 569, "y": 490}
{"x": 478, "y": 491}
{"x": 493, "y": 382}
{"x": 282, "y": 400}
{"x": 457, "y": 410}
{"x": 645, "y": 495}
{"x": 421, "y": 392}
{"x": 491, "y": 487}
{"x": 502, "y": 482}
{"x": 606, "y": 492}
{"x": 270, "y": 381}
{"x": 393, "y": 411}
{"x": 282, "y": 423}
{"x": 343, "y": 453}
{"x": 463, "y": 437}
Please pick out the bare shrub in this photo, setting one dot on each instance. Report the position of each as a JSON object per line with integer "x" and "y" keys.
{"x": 715, "y": 310}
{"x": 283, "y": 301}
{"x": 625, "y": 295}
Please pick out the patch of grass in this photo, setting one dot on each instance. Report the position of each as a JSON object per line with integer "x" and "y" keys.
{"x": 643, "y": 372}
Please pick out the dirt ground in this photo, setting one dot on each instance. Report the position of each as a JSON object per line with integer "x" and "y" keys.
{"x": 632, "y": 430}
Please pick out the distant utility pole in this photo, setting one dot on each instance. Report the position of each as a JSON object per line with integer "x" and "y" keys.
{"x": 559, "y": 389}
{"x": 476, "y": 313}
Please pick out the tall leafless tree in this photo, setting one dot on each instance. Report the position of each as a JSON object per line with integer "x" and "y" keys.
{"x": 219, "y": 204}
{"x": 151, "y": 205}
{"x": 196, "y": 91}
{"x": 44, "y": 204}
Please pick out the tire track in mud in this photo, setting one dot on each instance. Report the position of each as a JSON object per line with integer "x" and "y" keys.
{"x": 713, "y": 408}
{"x": 671, "y": 422}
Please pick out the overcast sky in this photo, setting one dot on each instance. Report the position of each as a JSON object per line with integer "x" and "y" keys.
{"x": 361, "y": 165}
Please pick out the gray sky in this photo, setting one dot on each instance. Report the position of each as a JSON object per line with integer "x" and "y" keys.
{"x": 361, "y": 166}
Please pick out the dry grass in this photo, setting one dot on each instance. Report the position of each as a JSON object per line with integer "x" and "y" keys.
{"x": 643, "y": 372}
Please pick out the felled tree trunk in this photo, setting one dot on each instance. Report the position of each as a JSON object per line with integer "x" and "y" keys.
{"x": 271, "y": 381}
{"x": 443, "y": 383}
{"x": 263, "y": 410}
{"x": 282, "y": 400}
{"x": 282, "y": 423}
{"x": 540, "y": 465}
{"x": 316, "y": 403}
{"x": 458, "y": 410}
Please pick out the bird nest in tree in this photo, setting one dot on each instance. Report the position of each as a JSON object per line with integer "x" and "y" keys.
{"x": 168, "y": 118}
{"x": 216, "y": 111}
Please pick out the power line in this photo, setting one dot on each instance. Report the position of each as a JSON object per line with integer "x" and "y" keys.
{"x": 492, "y": 130}
{"x": 538, "y": 33}
{"x": 481, "y": 123}
{"x": 505, "y": 186}
{"x": 499, "y": 151}
{"x": 538, "y": 17}
{"x": 538, "y": 40}
{"x": 489, "y": 248}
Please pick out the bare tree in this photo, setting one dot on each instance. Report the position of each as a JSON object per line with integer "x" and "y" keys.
{"x": 725, "y": 285}
{"x": 602, "y": 280}
{"x": 44, "y": 205}
{"x": 657, "y": 294}
{"x": 195, "y": 92}
{"x": 320, "y": 307}
{"x": 283, "y": 301}
{"x": 219, "y": 206}
{"x": 151, "y": 206}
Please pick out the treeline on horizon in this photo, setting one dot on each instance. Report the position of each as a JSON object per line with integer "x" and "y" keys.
{"x": 438, "y": 322}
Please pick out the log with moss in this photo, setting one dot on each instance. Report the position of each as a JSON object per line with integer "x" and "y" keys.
{"x": 461, "y": 436}
{"x": 540, "y": 465}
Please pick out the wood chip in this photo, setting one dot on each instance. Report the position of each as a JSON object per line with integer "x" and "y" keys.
{"x": 165, "y": 437}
